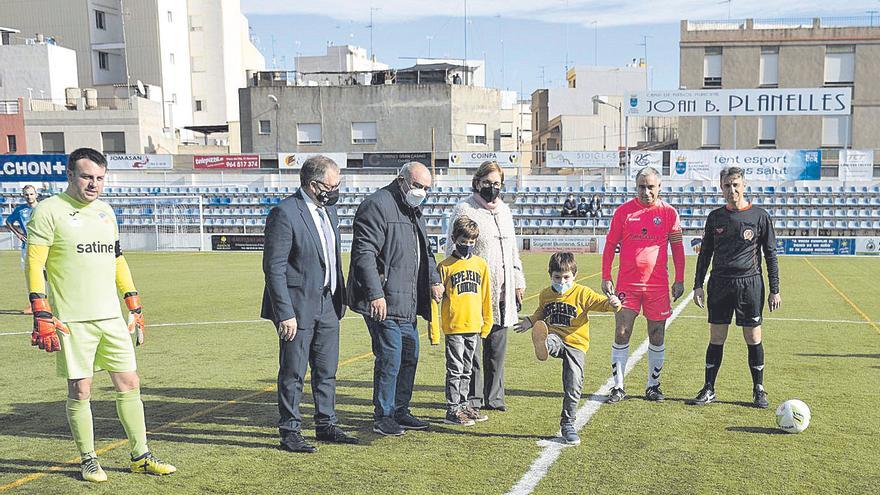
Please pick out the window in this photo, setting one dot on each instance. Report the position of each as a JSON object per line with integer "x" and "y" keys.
{"x": 265, "y": 127}
{"x": 363, "y": 133}
{"x": 836, "y": 131}
{"x": 100, "y": 20}
{"x": 171, "y": 58}
{"x": 308, "y": 134}
{"x": 767, "y": 130}
{"x": 839, "y": 65}
{"x": 11, "y": 143}
{"x": 769, "y": 66}
{"x": 174, "y": 98}
{"x": 476, "y": 133}
{"x": 170, "y": 16}
{"x": 195, "y": 23}
{"x": 711, "y": 132}
{"x": 53, "y": 142}
{"x": 103, "y": 60}
{"x": 200, "y": 105}
{"x": 113, "y": 142}
{"x": 506, "y": 129}
{"x": 712, "y": 68}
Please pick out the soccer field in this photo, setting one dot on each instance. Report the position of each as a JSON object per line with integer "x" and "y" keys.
{"x": 208, "y": 382}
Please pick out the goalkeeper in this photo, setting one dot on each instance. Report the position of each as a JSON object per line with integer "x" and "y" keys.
{"x": 75, "y": 237}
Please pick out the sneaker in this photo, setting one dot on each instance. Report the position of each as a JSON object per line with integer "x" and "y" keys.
{"x": 760, "y": 396}
{"x": 705, "y": 396}
{"x": 616, "y": 395}
{"x": 569, "y": 434}
{"x": 409, "y": 422}
{"x": 539, "y": 340}
{"x": 654, "y": 394}
{"x": 458, "y": 418}
{"x": 474, "y": 414}
{"x": 150, "y": 464}
{"x": 91, "y": 470}
{"x": 335, "y": 434}
{"x": 388, "y": 427}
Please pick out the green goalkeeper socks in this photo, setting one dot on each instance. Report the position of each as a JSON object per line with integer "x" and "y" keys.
{"x": 130, "y": 410}
{"x": 79, "y": 417}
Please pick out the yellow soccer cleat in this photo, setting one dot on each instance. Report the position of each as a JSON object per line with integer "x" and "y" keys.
{"x": 91, "y": 470}
{"x": 150, "y": 464}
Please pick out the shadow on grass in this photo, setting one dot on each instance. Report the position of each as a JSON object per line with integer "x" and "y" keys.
{"x": 30, "y": 466}
{"x": 12, "y": 312}
{"x": 869, "y": 356}
{"x": 442, "y": 389}
{"x": 689, "y": 401}
{"x": 756, "y": 429}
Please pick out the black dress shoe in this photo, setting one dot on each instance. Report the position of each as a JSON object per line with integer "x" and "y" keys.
{"x": 409, "y": 422}
{"x": 334, "y": 434}
{"x": 294, "y": 442}
{"x": 495, "y": 408}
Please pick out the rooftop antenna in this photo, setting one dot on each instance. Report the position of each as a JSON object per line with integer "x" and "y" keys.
{"x": 372, "y": 9}
{"x": 729, "y": 5}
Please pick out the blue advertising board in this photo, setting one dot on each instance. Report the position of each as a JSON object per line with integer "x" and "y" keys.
{"x": 816, "y": 245}
{"x": 33, "y": 168}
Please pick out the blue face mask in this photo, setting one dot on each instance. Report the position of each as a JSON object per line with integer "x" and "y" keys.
{"x": 562, "y": 287}
{"x": 465, "y": 250}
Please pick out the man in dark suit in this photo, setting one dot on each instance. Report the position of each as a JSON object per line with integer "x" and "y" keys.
{"x": 305, "y": 299}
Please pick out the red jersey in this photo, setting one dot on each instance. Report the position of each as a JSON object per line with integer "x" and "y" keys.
{"x": 643, "y": 233}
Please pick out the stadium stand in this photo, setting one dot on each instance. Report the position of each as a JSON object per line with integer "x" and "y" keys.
{"x": 796, "y": 210}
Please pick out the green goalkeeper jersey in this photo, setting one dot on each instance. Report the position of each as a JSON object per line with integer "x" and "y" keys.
{"x": 83, "y": 242}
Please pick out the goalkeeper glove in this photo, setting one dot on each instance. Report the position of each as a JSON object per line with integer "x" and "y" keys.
{"x": 136, "y": 322}
{"x": 45, "y": 324}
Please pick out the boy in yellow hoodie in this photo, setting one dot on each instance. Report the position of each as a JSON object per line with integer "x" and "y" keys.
{"x": 464, "y": 317}
{"x": 561, "y": 328}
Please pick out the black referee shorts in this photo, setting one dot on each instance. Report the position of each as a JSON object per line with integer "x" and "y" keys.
{"x": 743, "y": 296}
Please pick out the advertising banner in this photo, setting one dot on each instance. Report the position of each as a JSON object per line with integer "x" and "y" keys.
{"x": 295, "y": 160}
{"x": 395, "y": 160}
{"x": 869, "y": 246}
{"x": 815, "y": 245}
{"x": 739, "y": 102}
{"x": 122, "y": 161}
{"x": 759, "y": 165}
{"x": 33, "y": 168}
{"x": 226, "y": 162}
{"x": 583, "y": 159}
{"x": 473, "y": 159}
{"x": 571, "y": 243}
{"x": 641, "y": 159}
{"x": 856, "y": 165}
{"x": 236, "y": 242}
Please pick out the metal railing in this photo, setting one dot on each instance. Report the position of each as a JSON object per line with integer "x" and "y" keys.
{"x": 871, "y": 20}
{"x": 9, "y": 107}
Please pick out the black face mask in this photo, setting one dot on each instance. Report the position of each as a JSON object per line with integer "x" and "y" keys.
{"x": 328, "y": 198}
{"x": 490, "y": 193}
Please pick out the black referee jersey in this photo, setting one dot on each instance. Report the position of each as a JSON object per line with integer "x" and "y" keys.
{"x": 733, "y": 241}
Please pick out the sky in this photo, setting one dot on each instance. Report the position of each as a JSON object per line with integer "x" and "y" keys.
{"x": 527, "y": 44}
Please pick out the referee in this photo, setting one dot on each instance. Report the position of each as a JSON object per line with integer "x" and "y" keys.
{"x": 736, "y": 235}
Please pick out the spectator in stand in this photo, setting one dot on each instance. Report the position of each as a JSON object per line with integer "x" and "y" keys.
{"x": 583, "y": 207}
{"x": 596, "y": 206}
{"x": 569, "y": 207}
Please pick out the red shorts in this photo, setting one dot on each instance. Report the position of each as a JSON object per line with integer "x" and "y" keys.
{"x": 653, "y": 303}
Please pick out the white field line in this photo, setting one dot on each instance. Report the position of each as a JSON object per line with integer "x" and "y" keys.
{"x": 552, "y": 448}
{"x": 601, "y": 315}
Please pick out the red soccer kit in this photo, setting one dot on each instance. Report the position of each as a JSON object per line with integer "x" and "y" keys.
{"x": 643, "y": 233}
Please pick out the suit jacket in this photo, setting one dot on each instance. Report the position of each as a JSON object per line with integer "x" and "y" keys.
{"x": 293, "y": 264}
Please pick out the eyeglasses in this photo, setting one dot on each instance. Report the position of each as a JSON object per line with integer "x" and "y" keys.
{"x": 328, "y": 186}
{"x": 496, "y": 185}
{"x": 416, "y": 185}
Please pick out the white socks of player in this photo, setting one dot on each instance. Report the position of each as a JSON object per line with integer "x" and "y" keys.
{"x": 619, "y": 354}
{"x": 656, "y": 355}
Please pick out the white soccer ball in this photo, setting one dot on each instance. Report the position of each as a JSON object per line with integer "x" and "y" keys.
{"x": 793, "y": 416}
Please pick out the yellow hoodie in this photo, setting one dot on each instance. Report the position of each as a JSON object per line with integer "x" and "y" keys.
{"x": 566, "y": 314}
{"x": 467, "y": 301}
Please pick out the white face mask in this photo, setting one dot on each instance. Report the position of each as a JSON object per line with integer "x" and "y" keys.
{"x": 415, "y": 197}
{"x": 562, "y": 287}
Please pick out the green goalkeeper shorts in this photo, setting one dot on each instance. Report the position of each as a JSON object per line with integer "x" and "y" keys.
{"x": 94, "y": 346}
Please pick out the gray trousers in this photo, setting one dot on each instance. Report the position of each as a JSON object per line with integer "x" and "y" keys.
{"x": 487, "y": 379}
{"x": 572, "y": 375}
{"x": 460, "y": 351}
{"x": 316, "y": 345}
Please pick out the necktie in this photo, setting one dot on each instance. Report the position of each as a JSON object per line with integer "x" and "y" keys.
{"x": 329, "y": 247}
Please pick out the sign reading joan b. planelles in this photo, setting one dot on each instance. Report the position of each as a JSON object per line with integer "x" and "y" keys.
{"x": 740, "y": 102}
